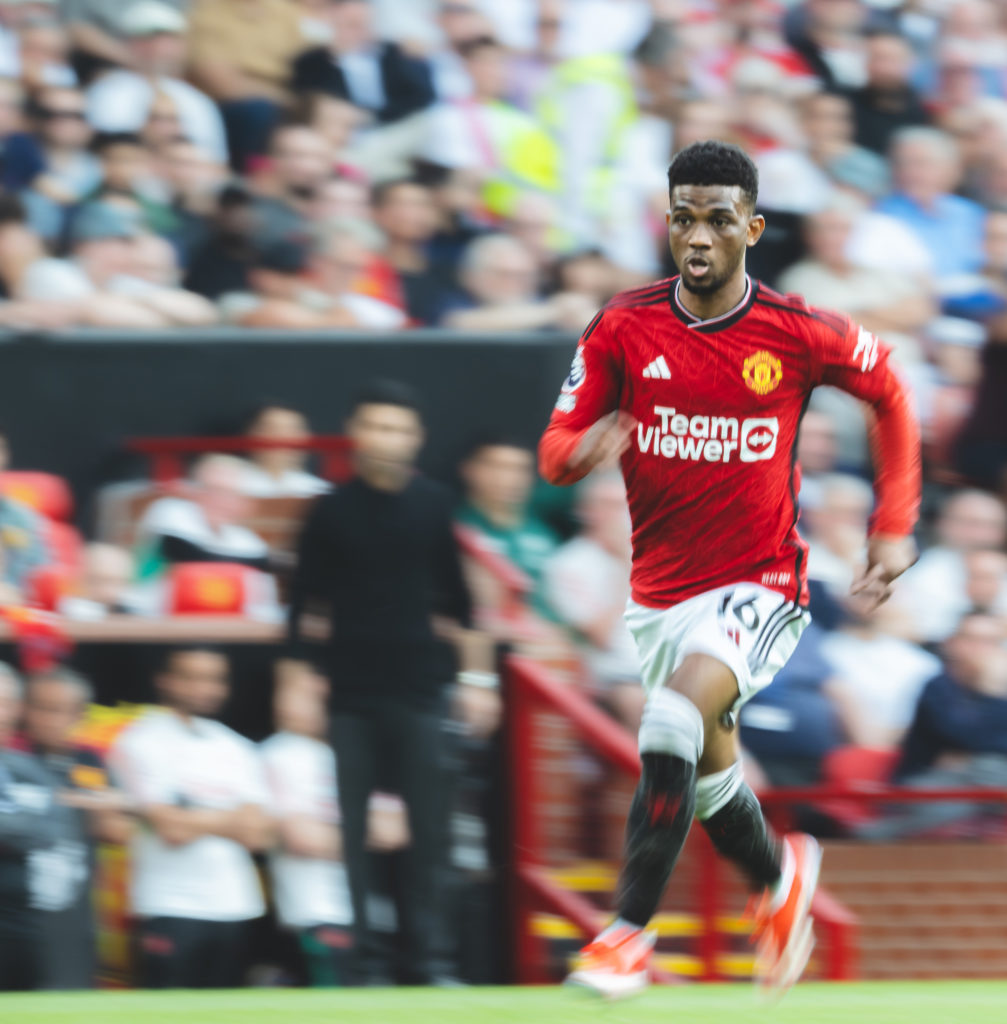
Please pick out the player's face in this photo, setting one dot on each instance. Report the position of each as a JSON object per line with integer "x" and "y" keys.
{"x": 709, "y": 229}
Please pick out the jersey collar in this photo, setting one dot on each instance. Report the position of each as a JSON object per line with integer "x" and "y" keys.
{"x": 716, "y": 323}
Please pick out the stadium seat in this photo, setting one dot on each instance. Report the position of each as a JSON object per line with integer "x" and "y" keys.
{"x": 64, "y": 543}
{"x": 47, "y": 586}
{"x": 48, "y": 494}
{"x": 211, "y": 588}
{"x": 858, "y": 768}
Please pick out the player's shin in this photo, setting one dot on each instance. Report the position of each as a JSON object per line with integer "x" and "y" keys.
{"x": 732, "y": 817}
{"x": 671, "y": 744}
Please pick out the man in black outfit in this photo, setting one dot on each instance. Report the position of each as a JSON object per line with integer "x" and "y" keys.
{"x": 380, "y": 552}
{"x": 888, "y": 101}
{"x": 377, "y": 76}
{"x": 31, "y": 823}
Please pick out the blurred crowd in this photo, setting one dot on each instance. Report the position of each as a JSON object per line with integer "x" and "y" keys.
{"x": 484, "y": 165}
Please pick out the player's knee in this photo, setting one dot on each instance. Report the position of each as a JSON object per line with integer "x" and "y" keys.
{"x": 715, "y": 791}
{"x": 671, "y": 724}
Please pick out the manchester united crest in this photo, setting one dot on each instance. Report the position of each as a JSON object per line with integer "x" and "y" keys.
{"x": 762, "y": 372}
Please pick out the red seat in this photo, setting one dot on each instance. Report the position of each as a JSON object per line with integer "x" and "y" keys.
{"x": 64, "y": 544}
{"x": 48, "y": 494}
{"x": 857, "y": 768}
{"x": 211, "y": 588}
{"x": 47, "y": 586}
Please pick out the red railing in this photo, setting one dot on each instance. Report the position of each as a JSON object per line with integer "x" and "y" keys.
{"x": 532, "y": 688}
{"x": 514, "y": 584}
{"x": 167, "y": 454}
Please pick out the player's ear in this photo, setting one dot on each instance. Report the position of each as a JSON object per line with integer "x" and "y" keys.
{"x": 756, "y": 225}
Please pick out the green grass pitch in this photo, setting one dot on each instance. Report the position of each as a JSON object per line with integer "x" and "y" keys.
{"x": 879, "y": 1003}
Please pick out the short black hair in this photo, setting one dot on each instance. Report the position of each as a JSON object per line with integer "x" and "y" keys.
{"x": 712, "y": 162}
{"x": 182, "y": 649}
{"x": 470, "y": 47}
{"x": 492, "y": 439}
{"x": 268, "y": 405}
{"x": 386, "y": 392}
{"x": 381, "y": 192}
{"x": 104, "y": 141}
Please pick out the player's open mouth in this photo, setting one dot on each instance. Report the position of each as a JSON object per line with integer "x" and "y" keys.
{"x": 697, "y": 267}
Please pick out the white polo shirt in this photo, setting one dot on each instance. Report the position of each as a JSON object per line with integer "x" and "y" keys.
{"x": 302, "y": 778}
{"x": 161, "y": 759}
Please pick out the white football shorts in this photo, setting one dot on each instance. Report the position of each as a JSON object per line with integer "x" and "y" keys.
{"x": 751, "y": 629}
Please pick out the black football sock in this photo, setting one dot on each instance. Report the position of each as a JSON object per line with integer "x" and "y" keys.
{"x": 740, "y": 833}
{"x": 659, "y": 821}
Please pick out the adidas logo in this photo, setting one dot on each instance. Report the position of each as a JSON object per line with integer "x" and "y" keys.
{"x": 658, "y": 369}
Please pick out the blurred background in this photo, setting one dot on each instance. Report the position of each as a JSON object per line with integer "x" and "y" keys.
{"x": 219, "y": 219}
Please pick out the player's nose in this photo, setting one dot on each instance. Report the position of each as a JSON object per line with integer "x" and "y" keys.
{"x": 700, "y": 237}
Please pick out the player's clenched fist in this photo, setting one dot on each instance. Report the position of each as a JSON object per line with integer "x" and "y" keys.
{"x": 887, "y": 559}
{"x": 603, "y": 443}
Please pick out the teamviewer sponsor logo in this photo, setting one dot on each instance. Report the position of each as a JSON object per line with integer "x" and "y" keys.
{"x": 758, "y": 439}
{"x": 677, "y": 435}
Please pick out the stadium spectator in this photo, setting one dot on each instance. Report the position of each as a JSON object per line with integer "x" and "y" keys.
{"x": 310, "y": 889}
{"x": 404, "y": 210}
{"x": 204, "y": 528}
{"x": 71, "y": 172}
{"x": 878, "y": 675}
{"x": 887, "y": 102}
{"x": 21, "y": 532}
{"x": 376, "y": 76}
{"x": 280, "y": 472}
{"x": 894, "y": 305}
{"x": 380, "y": 554}
{"x": 300, "y": 162}
{"x": 221, "y": 262}
{"x": 240, "y": 54}
{"x": 123, "y": 99}
{"x": 934, "y": 594}
{"x": 459, "y": 22}
{"x": 31, "y": 822}
{"x": 827, "y": 123}
{"x": 498, "y": 474}
{"x": 817, "y": 455}
{"x": 791, "y": 726}
{"x": 104, "y": 586}
{"x": 280, "y": 296}
{"x": 36, "y": 50}
{"x": 96, "y": 34}
{"x": 926, "y": 171}
{"x": 827, "y": 34}
{"x": 201, "y": 796}
{"x": 340, "y": 266}
{"x": 193, "y": 182}
{"x": 115, "y": 276}
{"x": 501, "y": 286}
{"x": 511, "y": 149}
{"x": 21, "y": 157}
{"x": 55, "y": 703}
{"x": 835, "y": 528}
{"x": 986, "y": 582}
{"x": 586, "y": 585}
{"x": 127, "y": 180}
{"x": 957, "y": 736}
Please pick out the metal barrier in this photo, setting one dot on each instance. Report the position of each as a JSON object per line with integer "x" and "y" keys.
{"x": 531, "y": 687}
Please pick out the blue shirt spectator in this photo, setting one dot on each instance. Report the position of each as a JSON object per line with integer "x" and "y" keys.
{"x": 790, "y": 726}
{"x": 926, "y": 170}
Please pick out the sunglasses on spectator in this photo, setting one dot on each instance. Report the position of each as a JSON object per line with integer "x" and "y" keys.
{"x": 69, "y": 115}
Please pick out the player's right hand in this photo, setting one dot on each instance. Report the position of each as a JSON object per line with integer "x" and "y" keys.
{"x": 604, "y": 442}
{"x": 887, "y": 559}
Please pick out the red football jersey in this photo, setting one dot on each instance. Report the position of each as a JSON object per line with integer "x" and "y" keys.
{"x": 711, "y": 471}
